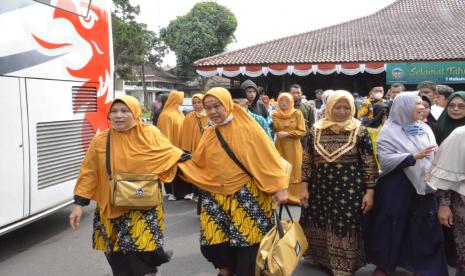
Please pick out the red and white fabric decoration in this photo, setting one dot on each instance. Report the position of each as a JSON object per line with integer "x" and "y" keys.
{"x": 300, "y": 70}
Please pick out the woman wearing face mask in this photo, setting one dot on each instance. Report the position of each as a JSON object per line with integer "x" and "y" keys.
{"x": 236, "y": 199}
{"x": 132, "y": 240}
{"x": 338, "y": 177}
{"x": 289, "y": 126}
{"x": 170, "y": 124}
{"x": 403, "y": 228}
{"x": 381, "y": 112}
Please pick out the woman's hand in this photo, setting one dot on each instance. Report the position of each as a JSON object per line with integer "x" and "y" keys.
{"x": 445, "y": 216}
{"x": 304, "y": 195}
{"x": 424, "y": 152}
{"x": 75, "y": 217}
{"x": 282, "y": 134}
{"x": 280, "y": 197}
{"x": 367, "y": 201}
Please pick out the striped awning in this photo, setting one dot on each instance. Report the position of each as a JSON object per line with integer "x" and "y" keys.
{"x": 300, "y": 70}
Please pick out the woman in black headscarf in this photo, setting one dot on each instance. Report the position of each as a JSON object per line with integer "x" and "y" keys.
{"x": 451, "y": 118}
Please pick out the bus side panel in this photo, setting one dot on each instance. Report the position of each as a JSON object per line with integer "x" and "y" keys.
{"x": 64, "y": 66}
{"x": 12, "y": 181}
{"x": 59, "y": 135}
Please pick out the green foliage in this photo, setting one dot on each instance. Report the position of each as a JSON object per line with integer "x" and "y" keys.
{"x": 124, "y": 10}
{"x": 204, "y": 31}
{"x": 133, "y": 43}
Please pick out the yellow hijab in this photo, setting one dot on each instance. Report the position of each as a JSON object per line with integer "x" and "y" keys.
{"x": 192, "y": 128}
{"x": 140, "y": 149}
{"x": 212, "y": 169}
{"x": 200, "y": 97}
{"x": 328, "y": 121}
{"x": 290, "y": 110}
{"x": 171, "y": 119}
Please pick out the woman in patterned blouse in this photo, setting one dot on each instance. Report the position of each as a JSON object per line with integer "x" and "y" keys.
{"x": 338, "y": 177}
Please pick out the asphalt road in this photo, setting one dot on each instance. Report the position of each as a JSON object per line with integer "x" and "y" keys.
{"x": 49, "y": 247}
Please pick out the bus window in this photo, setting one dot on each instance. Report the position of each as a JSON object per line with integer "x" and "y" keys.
{"x": 78, "y": 7}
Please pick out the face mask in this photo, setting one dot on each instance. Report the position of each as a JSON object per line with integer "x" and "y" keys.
{"x": 377, "y": 96}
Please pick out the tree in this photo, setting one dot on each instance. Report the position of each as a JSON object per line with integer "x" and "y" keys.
{"x": 204, "y": 31}
{"x": 133, "y": 43}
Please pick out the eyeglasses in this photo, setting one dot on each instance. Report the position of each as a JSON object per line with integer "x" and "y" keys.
{"x": 454, "y": 106}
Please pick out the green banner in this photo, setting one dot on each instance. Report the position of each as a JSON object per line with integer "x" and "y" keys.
{"x": 438, "y": 72}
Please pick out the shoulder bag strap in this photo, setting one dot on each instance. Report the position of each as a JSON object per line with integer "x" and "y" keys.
{"x": 107, "y": 156}
{"x": 228, "y": 150}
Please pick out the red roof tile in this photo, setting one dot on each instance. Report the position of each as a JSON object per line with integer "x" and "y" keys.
{"x": 407, "y": 30}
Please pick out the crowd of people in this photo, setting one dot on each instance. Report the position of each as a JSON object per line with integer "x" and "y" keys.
{"x": 380, "y": 179}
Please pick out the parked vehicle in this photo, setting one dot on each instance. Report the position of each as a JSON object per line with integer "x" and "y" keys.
{"x": 187, "y": 106}
{"x": 56, "y": 68}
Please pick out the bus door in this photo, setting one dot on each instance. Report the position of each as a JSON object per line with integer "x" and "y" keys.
{"x": 12, "y": 175}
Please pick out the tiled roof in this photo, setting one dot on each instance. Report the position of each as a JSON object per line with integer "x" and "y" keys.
{"x": 157, "y": 74}
{"x": 407, "y": 30}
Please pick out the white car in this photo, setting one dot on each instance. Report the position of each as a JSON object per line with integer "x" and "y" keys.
{"x": 187, "y": 106}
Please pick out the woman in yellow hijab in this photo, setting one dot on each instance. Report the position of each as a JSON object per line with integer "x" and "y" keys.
{"x": 131, "y": 240}
{"x": 289, "y": 126}
{"x": 170, "y": 123}
{"x": 194, "y": 125}
{"x": 338, "y": 177}
{"x": 171, "y": 118}
{"x": 236, "y": 204}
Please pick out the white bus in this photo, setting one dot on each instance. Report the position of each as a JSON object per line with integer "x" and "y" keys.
{"x": 56, "y": 68}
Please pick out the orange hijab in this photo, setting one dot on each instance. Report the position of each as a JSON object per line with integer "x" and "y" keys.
{"x": 140, "y": 149}
{"x": 171, "y": 119}
{"x": 193, "y": 127}
{"x": 290, "y": 110}
{"x": 212, "y": 169}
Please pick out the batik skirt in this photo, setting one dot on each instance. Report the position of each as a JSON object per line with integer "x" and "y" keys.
{"x": 135, "y": 231}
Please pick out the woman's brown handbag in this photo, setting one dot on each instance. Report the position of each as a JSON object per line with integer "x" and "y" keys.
{"x": 133, "y": 190}
{"x": 282, "y": 247}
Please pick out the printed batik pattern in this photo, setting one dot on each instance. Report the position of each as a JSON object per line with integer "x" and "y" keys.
{"x": 240, "y": 219}
{"x": 456, "y": 202}
{"x": 333, "y": 220}
{"x": 135, "y": 231}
